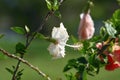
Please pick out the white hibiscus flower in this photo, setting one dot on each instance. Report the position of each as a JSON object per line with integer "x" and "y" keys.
{"x": 57, "y": 50}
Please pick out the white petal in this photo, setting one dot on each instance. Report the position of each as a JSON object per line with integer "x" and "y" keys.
{"x": 60, "y": 33}
{"x": 56, "y": 51}
{"x": 81, "y": 16}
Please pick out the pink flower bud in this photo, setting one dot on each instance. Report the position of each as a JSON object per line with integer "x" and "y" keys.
{"x": 86, "y": 28}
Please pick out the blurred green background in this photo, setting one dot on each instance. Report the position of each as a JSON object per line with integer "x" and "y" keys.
{"x": 31, "y": 13}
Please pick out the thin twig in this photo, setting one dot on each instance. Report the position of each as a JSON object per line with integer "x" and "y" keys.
{"x": 28, "y": 41}
{"x": 41, "y": 26}
{"x": 27, "y": 63}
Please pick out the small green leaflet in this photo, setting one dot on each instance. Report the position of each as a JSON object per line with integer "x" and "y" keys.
{"x": 18, "y": 30}
{"x": 110, "y": 30}
{"x": 58, "y": 14}
{"x": 116, "y": 15}
{"x": 55, "y": 5}
{"x": 52, "y": 5}
{"x": 20, "y": 48}
{"x": 49, "y": 4}
{"x": 10, "y": 71}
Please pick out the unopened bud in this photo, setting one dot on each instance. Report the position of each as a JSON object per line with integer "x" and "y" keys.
{"x": 86, "y": 28}
{"x": 27, "y": 29}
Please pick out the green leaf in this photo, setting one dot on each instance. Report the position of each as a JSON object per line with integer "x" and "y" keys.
{"x": 94, "y": 64}
{"x": 91, "y": 59}
{"x": 84, "y": 74}
{"x": 19, "y": 74}
{"x": 110, "y": 30}
{"x": 82, "y": 60}
{"x": 76, "y": 64}
{"x": 116, "y": 20}
{"x": 102, "y": 31}
{"x": 116, "y": 15}
{"x": 70, "y": 76}
{"x": 55, "y": 2}
{"x": 94, "y": 60}
{"x": 49, "y": 4}
{"x": 91, "y": 70}
{"x": 9, "y": 70}
{"x": 81, "y": 68}
{"x": 41, "y": 36}
{"x": 56, "y": 5}
{"x": 103, "y": 34}
{"x": 71, "y": 64}
{"x": 18, "y": 30}
{"x": 58, "y": 14}
{"x": 20, "y": 48}
{"x": 86, "y": 45}
{"x": 67, "y": 68}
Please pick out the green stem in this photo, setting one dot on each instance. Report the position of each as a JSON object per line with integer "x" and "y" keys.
{"x": 79, "y": 76}
{"x": 88, "y": 6}
{"x": 16, "y": 69}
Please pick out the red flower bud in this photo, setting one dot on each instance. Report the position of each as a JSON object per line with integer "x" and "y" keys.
{"x": 86, "y": 27}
